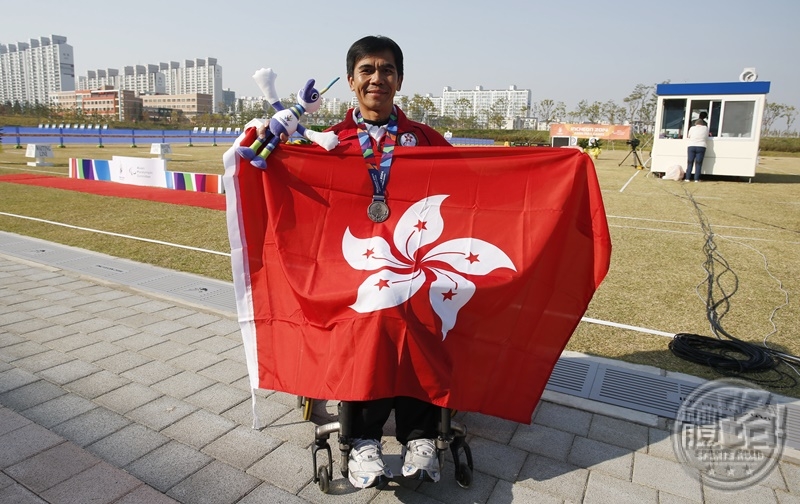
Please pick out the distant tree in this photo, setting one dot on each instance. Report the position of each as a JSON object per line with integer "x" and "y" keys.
{"x": 560, "y": 112}
{"x": 420, "y": 108}
{"x": 462, "y": 109}
{"x": 636, "y": 100}
{"x": 496, "y": 115}
{"x": 594, "y": 112}
{"x": 790, "y": 114}
{"x": 251, "y": 112}
{"x": 445, "y": 122}
{"x": 545, "y": 111}
{"x": 612, "y": 112}
{"x": 580, "y": 111}
{"x": 290, "y": 101}
{"x": 772, "y": 112}
{"x": 403, "y": 103}
{"x": 647, "y": 114}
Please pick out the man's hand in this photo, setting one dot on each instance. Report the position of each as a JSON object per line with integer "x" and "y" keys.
{"x": 262, "y": 134}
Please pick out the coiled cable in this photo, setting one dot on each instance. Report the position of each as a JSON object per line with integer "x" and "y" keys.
{"x": 725, "y": 353}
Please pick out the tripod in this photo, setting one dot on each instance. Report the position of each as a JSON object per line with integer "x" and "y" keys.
{"x": 636, "y": 161}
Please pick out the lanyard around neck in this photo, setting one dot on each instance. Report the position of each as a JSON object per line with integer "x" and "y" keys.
{"x": 379, "y": 173}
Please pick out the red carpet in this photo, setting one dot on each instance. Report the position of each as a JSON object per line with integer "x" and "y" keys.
{"x": 188, "y": 198}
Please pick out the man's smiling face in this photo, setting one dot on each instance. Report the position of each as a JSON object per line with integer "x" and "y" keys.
{"x": 375, "y": 81}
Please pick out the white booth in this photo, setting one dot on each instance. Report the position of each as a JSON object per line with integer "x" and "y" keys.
{"x": 735, "y": 111}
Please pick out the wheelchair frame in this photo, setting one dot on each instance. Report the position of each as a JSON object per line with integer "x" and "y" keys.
{"x": 451, "y": 435}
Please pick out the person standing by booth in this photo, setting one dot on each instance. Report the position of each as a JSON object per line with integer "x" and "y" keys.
{"x": 697, "y": 138}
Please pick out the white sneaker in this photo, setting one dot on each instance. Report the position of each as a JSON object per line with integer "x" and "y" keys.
{"x": 365, "y": 467}
{"x": 421, "y": 460}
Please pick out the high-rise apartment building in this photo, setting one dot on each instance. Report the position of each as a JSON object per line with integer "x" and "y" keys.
{"x": 143, "y": 80}
{"x": 198, "y": 76}
{"x": 30, "y": 71}
{"x": 195, "y": 76}
{"x": 513, "y": 102}
{"x": 99, "y": 79}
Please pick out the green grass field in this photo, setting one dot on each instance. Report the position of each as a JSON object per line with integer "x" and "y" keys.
{"x": 657, "y": 258}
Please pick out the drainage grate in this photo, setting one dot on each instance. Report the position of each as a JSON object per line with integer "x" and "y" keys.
{"x": 168, "y": 283}
{"x": 45, "y": 254}
{"x": 649, "y": 393}
{"x": 223, "y": 300}
{"x": 793, "y": 424}
{"x": 114, "y": 270}
{"x": 573, "y": 377}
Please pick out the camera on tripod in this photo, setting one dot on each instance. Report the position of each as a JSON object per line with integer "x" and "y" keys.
{"x": 633, "y": 142}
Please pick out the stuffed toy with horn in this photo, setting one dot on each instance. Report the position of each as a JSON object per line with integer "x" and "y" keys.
{"x": 286, "y": 120}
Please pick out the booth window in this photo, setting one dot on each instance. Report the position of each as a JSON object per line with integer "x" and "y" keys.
{"x": 712, "y": 108}
{"x": 673, "y": 118}
{"x": 737, "y": 120}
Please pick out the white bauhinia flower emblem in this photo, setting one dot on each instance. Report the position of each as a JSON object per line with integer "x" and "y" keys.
{"x": 399, "y": 278}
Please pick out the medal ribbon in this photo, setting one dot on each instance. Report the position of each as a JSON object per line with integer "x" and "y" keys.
{"x": 379, "y": 174}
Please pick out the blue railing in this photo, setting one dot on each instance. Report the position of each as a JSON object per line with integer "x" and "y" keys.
{"x": 59, "y": 135}
{"x": 471, "y": 141}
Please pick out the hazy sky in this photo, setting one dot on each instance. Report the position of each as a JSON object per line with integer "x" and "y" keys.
{"x": 564, "y": 51}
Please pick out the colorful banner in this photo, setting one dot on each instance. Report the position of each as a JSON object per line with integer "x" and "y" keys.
{"x": 89, "y": 169}
{"x": 199, "y": 182}
{"x": 601, "y": 131}
{"x": 137, "y": 171}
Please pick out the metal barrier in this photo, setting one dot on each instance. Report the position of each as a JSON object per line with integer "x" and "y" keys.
{"x": 61, "y": 135}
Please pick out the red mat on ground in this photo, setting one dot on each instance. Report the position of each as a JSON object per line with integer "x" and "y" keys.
{"x": 188, "y": 198}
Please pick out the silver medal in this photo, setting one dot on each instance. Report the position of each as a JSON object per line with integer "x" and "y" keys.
{"x": 378, "y": 211}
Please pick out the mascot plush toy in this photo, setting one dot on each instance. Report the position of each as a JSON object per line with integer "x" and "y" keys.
{"x": 286, "y": 120}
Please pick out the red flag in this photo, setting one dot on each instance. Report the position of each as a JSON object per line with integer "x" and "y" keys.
{"x": 465, "y": 297}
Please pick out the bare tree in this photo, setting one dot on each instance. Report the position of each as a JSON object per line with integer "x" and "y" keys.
{"x": 772, "y": 112}
{"x": 403, "y": 103}
{"x": 560, "y": 112}
{"x": 496, "y": 114}
{"x": 636, "y": 100}
{"x": 420, "y": 108}
{"x": 545, "y": 111}
{"x": 580, "y": 111}
{"x": 612, "y": 112}
{"x": 594, "y": 112}
{"x": 464, "y": 117}
{"x": 790, "y": 114}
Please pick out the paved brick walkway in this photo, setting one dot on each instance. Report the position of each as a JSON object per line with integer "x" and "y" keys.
{"x": 111, "y": 395}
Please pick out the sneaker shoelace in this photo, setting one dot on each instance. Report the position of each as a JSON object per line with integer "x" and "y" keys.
{"x": 366, "y": 449}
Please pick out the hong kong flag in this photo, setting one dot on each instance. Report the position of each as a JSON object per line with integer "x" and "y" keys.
{"x": 464, "y": 297}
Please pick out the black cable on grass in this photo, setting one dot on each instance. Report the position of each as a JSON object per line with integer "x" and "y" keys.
{"x": 727, "y": 354}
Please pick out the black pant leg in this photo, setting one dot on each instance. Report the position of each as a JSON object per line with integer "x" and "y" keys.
{"x": 415, "y": 419}
{"x": 368, "y": 417}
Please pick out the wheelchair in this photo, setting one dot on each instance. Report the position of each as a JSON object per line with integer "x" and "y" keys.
{"x": 451, "y": 435}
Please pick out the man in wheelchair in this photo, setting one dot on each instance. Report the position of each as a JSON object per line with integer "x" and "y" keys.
{"x": 375, "y": 74}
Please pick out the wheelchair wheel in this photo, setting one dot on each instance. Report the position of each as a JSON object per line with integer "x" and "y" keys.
{"x": 464, "y": 475}
{"x": 324, "y": 479}
{"x": 307, "y": 407}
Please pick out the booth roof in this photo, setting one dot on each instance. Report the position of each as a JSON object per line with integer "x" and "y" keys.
{"x": 713, "y": 88}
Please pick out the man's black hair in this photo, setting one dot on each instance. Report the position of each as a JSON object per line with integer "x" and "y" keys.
{"x": 370, "y": 45}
